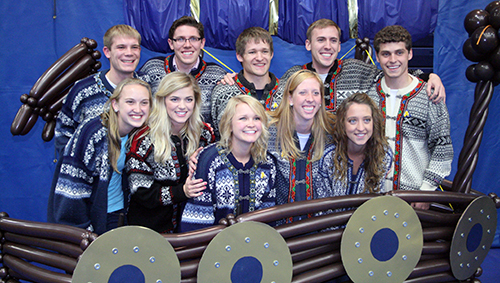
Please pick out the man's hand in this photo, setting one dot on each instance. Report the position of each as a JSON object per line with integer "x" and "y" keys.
{"x": 228, "y": 79}
{"x": 439, "y": 93}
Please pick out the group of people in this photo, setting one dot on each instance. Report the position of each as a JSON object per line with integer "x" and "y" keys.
{"x": 180, "y": 144}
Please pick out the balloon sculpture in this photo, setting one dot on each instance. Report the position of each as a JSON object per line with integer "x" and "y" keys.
{"x": 46, "y": 97}
{"x": 482, "y": 47}
{"x": 364, "y": 51}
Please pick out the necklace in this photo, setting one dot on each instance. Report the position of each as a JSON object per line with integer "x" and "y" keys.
{"x": 268, "y": 104}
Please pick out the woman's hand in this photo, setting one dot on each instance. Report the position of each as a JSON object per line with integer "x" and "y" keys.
{"x": 194, "y": 187}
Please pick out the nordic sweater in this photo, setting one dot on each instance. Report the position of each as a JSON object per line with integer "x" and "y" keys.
{"x": 345, "y": 78}
{"x": 273, "y": 93}
{"x": 355, "y": 184}
{"x": 424, "y": 151}
{"x": 157, "y": 194}
{"x": 253, "y": 191}
{"x": 207, "y": 75}
{"x": 316, "y": 181}
{"x": 81, "y": 191}
{"x": 84, "y": 101}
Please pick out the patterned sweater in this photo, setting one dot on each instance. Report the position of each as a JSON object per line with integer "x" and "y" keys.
{"x": 207, "y": 75}
{"x": 423, "y": 148}
{"x": 300, "y": 179}
{"x": 84, "y": 101}
{"x": 345, "y": 78}
{"x": 157, "y": 194}
{"x": 232, "y": 188}
{"x": 271, "y": 97}
{"x": 355, "y": 184}
{"x": 81, "y": 191}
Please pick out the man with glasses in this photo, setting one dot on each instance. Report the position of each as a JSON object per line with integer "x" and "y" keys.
{"x": 186, "y": 38}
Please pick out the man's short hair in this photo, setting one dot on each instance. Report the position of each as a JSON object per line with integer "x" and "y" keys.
{"x": 256, "y": 34}
{"x": 186, "y": 21}
{"x": 393, "y": 33}
{"x": 120, "y": 30}
{"x": 321, "y": 24}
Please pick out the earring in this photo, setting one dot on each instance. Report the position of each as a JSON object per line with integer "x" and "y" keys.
{"x": 291, "y": 104}
{"x": 116, "y": 110}
{"x": 320, "y": 105}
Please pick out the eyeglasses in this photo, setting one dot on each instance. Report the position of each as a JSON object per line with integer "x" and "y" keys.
{"x": 183, "y": 40}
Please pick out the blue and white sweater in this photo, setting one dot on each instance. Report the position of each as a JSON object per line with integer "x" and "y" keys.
{"x": 84, "y": 101}
{"x": 81, "y": 191}
{"x": 230, "y": 186}
{"x": 316, "y": 181}
{"x": 355, "y": 184}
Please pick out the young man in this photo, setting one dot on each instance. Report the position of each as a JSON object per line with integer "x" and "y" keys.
{"x": 343, "y": 78}
{"x": 186, "y": 38}
{"x": 418, "y": 130}
{"x": 254, "y": 50}
{"x": 86, "y": 99}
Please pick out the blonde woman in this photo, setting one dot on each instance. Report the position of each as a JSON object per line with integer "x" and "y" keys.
{"x": 300, "y": 137}
{"x": 156, "y": 162}
{"x": 91, "y": 190}
{"x": 240, "y": 174}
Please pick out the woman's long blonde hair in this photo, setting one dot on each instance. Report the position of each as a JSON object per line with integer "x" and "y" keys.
{"x": 160, "y": 126}
{"x": 283, "y": 118}
{"x": 259, "y": 148}
{"x": 110, "y": 120}
{"x": 375, "y": 147}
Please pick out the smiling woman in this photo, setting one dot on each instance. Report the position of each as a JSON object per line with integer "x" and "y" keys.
{"x": 362, "y": 157}
{"x": 91, "y": 192}
{"x": 303, "y": 140}
{"x": 159, "y": 179}
{"x": 240, "y": 174}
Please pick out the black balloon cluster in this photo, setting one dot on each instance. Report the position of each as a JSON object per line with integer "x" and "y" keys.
{"x": 483, "y": 46}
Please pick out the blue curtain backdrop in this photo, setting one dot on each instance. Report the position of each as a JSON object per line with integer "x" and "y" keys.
{"x": 225, "y": 20}
{"x": 32, "y": 39}
{"x": 419, "y": 17}
{"x": 295, "y": 16}
{"x": 153, "y": 19}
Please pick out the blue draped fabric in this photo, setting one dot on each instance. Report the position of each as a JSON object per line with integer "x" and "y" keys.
{"x": 153, "y": 19}
{"x": 419, "y": 17}
{"x": 295, "y": 16}
{"x": 225, "y": 20}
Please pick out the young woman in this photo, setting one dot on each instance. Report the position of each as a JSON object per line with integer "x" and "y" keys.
{"x": 303, "y": 125}
{"x": 156, "y": 163}
{"x": 239, "y": 171}
{"x": 362, "y": 157}
{"x": 91, "y": 191}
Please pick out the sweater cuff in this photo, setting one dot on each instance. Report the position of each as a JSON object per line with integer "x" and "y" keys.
{"x": 427, "y": 187}
{"x": 178, "y": 194}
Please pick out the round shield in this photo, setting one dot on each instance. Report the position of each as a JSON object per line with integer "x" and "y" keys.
{"x": 473, "y": 237}
{"x": 128, "y": 254}
{"x": 382, "y": 241}
{"x": 246, "y": 252}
